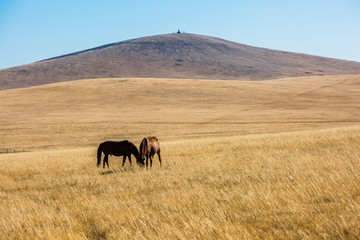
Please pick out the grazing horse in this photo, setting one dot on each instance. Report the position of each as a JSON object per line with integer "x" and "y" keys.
{"x": 123, "y": 148}
{"x": 148, "y": 147}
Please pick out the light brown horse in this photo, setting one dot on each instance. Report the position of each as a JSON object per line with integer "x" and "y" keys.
{"x": 148, "y": 147}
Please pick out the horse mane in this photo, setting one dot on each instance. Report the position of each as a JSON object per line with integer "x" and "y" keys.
{"x": 134, "y": 148}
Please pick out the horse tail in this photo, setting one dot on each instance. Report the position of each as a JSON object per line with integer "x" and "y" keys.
{"x": 146, "y": 145}
{"x": 142, "y": 148}
{"x": 99, "y": 155}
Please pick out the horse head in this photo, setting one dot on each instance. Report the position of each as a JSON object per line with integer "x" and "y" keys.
{"x": 140, "y": 161}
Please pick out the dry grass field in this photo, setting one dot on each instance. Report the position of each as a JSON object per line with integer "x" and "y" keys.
{"x": 83, "y": 113}
{"x": 241, "y": 160}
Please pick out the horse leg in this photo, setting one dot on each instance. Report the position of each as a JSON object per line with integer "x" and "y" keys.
{"x": 150, "y": 162}
{"x": 147, "y": 162}
{"x": 124, "y": 159}
{"x": 106, "y": 161}
{"x": 158, "y": 153}
{"x": 130, "y": 159}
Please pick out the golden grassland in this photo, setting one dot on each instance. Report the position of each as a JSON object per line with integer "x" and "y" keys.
{"x": 241, "y": 160}
{"x": 284, "y": 186}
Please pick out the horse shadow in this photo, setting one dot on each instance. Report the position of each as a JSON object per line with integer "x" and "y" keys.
{"x": 116, "y": 170}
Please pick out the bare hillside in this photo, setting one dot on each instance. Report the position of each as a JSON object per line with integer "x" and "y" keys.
{"x": 174, "y": 56}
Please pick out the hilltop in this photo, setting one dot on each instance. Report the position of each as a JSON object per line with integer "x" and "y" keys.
{"x": 174, "y": 56}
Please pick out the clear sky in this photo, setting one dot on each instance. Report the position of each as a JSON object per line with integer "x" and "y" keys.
{"x": 32, "y": 30}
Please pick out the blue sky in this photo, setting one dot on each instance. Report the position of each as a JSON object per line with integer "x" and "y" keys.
{"x": 32, "y": 30}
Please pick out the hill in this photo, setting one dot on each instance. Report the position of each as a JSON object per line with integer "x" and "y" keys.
{"x": 174, "y": 56}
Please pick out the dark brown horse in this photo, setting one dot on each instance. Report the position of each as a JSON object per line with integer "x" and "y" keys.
{"x": 123, "y": 148}
{"x": 148, "y": 147}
